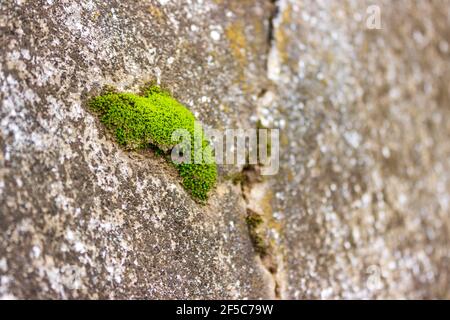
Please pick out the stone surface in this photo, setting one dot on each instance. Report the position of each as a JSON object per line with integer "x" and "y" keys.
{"x": 359, "y": 209}
{"x": 81, "y": 218}
{"x": 363, "y": 194}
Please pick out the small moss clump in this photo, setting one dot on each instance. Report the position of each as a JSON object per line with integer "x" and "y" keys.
{"x": 255, "y": 223}
{"x": 149, "y": 119}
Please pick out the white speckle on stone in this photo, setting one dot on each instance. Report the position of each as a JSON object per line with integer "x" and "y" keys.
{"x": 25, "y": 54}
{"x": 125, "y": 170}
{"x": 3, "y": 265}
{"x": 64, "y": 247}
{"x": 62, "y": 202}
{"x": 35, "y": 251}
{"x": 163, "y": 2}
{"x": 353, "y": 138}
{"x": 79, "y": 247}
{"x": 274, "y": 65}
{"x": 158, "y": 75}
{"x": 366, "y": 199}
{"x": 215, "y": 35}
{"x": 88, "y": 5}
{"x": 69, "y": 235}
{"x": 326, "y": 293}
{"x": 402, "y": 199}
{"x": 107, "y": 226}
{"x": 5, "y": 282}
{"x": 170, "y": 60}
{"x": 172, "y": 187}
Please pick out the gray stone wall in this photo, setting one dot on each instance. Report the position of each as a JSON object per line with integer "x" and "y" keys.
{"x": 359, "y": 208}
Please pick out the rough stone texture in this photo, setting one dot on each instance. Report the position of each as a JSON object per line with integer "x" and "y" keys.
{"x": 80, "y": 217}
{"x": 363, "y": 193}
{"x": 359, "y": 209}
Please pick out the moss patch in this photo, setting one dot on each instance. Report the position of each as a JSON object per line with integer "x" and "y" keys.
{"x": 148, "y": 120}
{"x": 255, "y": 225}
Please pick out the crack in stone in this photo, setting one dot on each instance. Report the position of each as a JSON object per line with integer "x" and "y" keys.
{"x": 271, "y": 261}
{"x": 274, "y": 12}
{"x": 261, "y": 225}
{"x": 269, "y": 253}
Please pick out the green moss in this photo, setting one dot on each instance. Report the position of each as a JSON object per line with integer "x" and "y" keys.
{"x": 255, "y": 224}
{"x": 148, "y": 120}
{"x": 238, "y": 178}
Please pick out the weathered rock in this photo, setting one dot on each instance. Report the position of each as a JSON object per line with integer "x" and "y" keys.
{"x": 359, "y": 209}
{"x": 363, "y": 193}
{"x": 80, "y": 218}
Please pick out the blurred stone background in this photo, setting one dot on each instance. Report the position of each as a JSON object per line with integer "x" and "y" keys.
{"x": 359, "y": 208}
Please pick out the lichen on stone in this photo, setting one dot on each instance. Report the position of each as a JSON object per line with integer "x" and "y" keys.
{"x": 149, "y": 119}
